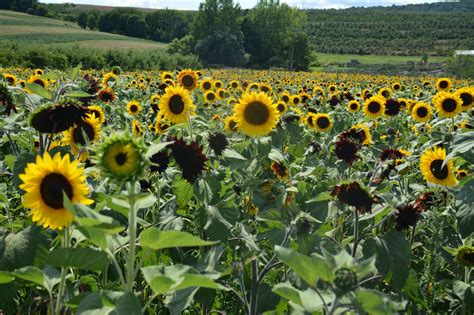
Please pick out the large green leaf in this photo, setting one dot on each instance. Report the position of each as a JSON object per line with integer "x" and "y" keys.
{"x": 308, "y": 268}
{"x": 374, "y": 302}
{"x": 39, "y": 90}
{"x": 31, "y": 274}
{"x": 6, "y": 277}
{"x": 82, "y": 258}
{"x": 155, "y": 239}
{"x": 413, "y": 291}
{"x": 128, "y": 304}
{"x": 183, "y": 191}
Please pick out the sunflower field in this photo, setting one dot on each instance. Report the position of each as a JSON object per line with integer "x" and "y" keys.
{"x": 235, "y": 192}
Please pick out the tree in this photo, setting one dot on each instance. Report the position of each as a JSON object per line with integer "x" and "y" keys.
{"x": 82, "y": 19}
{"x": 92, "y": 21}
{"x": 165, "y": 25}
{"x": 136, "y": 26}
{"x": 216, "y": 15}
{"x": 222, "y": 48}
{"x": 299, "y": 52}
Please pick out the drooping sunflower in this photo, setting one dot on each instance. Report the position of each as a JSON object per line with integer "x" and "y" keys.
{"x": 134, "y": 108}
{"x": 45, "y": 182}
{"x": 122, "y": 158}
{"x": 448, "y": 105}
{"x": 353, "y": 106}
{"x": 58, "y": 117}
{"x": 353, "y": 194}
{"x": 374, "y": 107}
{"x": 188, "y": 79}
{"x": 443, "y": 84}
{"x": 466, "y": 94}
{"x": 177, "y": 105}
{"x": 255, "y": 114}
{"x": 465, "y": 255}
{"x": 322, "y": 122}
{"x": 421, "y": 112}
{"x": 431, "y": 162}
{"x": 82, "y": 134}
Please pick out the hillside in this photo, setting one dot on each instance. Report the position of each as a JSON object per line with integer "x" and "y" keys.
{"x": 433, "y": 29}
{"x": 23, "y": 28}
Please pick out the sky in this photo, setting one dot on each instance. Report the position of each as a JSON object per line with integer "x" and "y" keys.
{"x": 194, "y": 4}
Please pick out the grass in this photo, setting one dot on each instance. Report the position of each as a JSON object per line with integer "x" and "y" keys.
{"x": 373, "y": 59}
{"x": 23, "y": 28}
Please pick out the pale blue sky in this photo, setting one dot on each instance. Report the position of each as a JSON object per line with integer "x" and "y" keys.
{"x": 194, "y": 4}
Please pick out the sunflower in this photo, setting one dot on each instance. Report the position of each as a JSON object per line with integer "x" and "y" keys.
{"x": 230, "y": 124}
{"x": 322, "y": 122}
{"x": 45, "y": 183}
{"x": 106, "y": 95}
{"x": 116, "y": 70}
{"x": 285, "y": 97}
{"x": 465, "y": 255}
{"x": 122, "y": 158}
{"x": 177, "y": 105}
{"x": 447, "y": 104}
{"x": 206, "y": 85}
{"x": 280, "y": 170}
{"x": 98, "y": 112}
{"x": 281, "y": 107}
{"x": 38, "y": 72}
{"x": 353, "y": 106}
{"x": 11, "y": 79}
{"x": 134, "y": 108}
{"x": 218, "y": 143}
{"x": 266, "y": 88}
{"x": 35, "y": 79}
{"x": 393, "y": 154}
{"x": 255, "y": 114}
{"x": 309, "y": 120}
{"x": 353, "y": 194}
{"x": 7, "y": 99}
{"x": 159, "y": 161}
{"x": 396, "y": 86}
{"x": 234, "y": 84}
{"x": 58, "y": 117}
{"x": 385, "y": 93}
{"x": 188, "y": 79}
{"x": 218, "y": 84}
{"x": 83, "y": 133}
{"x": 374, "y": 106}
{"x": 461, "y": 174}
{"x": 295, "y": 100}
{"x": 366, "y": 137}
{"x": 190, "y": 158}
{"x": 137, "y": 129}
{"x": 421, "y": 112}
{"x": 466, "y": 94}
{"x": 443, "y": 84}
{"x": 407, "y": 216}
{"x": 161, "y": 124}
{"x": 166, "y": 75}
{"x": 346, "y": 150}
{"x": 108, "y": 78}
{"x": 430, "y": 164}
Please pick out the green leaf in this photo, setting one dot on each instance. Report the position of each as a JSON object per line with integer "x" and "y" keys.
{"x": 6, "y": 277}
{"x": 82, "y": 258}
{"x": 183, "y": 191}
{"x": 75, "y": 72}
{"x": 232, "y": 154}
{"x": 31, "y": 274}
{"x": 155, "y": 239}
{"x": 145, "y": 200}
{"x": 157, "y": 147}
{"x": 308, "y": 268}
{"x": 95, "y": 236}
{"x": 10, "y": 161}
{"x": 39, "y": 90}
{"x": 78, "y": 94}
{"x": 198, "y": 280}
{"x": 412, "y": 290}
{"x": 287, "y": 291}
{"x": 275, "y": 155}
{"x": 128, "y": 304}
{"x": 374, "y": 302}
{"x": 87, "y": 217}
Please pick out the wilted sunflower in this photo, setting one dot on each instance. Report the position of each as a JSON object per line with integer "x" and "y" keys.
{"x": 393, "y": 154}
{"x": 374, "y": 107}
{"x": 190, "y": 158}
{"x": 322, "y": 122}
{"x": 134, "y": 108}
{"x": 177, "y": 105}
{"x": 353, "y": 194}
{"x": 45, "y": 182}
{"x": 279, "y": 169}
{"x": 188, "y": 79}
{"x": 447, "y": 104}
{"x": 353, "y": 106}
{"x": 58, "y": 117}
{"x": 421, "y": 112}
{"x": 465, "y": 256}
{"x": 443, "y": 84}
{"x": 406, "y": 216}
{"x": 430, "y": 164}
{"x": 466, "y": 94}
{"x": 230, "y": 124}
{"x": 218, "y": 142}
{"x": 122, "y": 158}
{"x": 106, "y": 95}
{"x": 255, "y": 114}
{"x": 82, "y": 134}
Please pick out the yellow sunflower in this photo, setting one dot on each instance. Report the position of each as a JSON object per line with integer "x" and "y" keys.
{"x": 134, "y": 108}
{"x": 353, "y": 106}
{"x": 79, "y": 136}
{"x": 230, "y": 124}
{"x": 161, "y": 124}
{"x": 322, "y": 122}
{"x": 35, "y": 79}
{"x": 366, "y": 130}
{"x": 443, "y": 84}
{"x": 421, "y": 112}
{"x": 206, "y": 84}
{"x": 188, "y": 79}
{"x": 255, "y": 114}
{"x": 166, "y": 75}
{"x": 385, "y": 93}
{"x": 447, "y": 104}
{"x": 176, "y": 104}
{"x": 10, "y": 78}
{"x": 466, "y": 94}
{"x": 210, "y": 96}
{"x": 430, "y": 164}
{"x": 108, "y": 79}
{"x": 282, "y": 108}
{"x": 98, "y": 112}
{"x": 374, "y": 107}
{"x": 45, "y": 182}
{"x": 137, "y": 129}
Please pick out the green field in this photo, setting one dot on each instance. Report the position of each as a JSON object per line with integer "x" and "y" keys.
{"x": 24, "y": 28}
{"x": 373, "y": 59}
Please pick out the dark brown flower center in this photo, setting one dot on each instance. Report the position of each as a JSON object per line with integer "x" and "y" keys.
{"x": 39, "y": 82}
{"x": 206, "y": 85}
{"x": 323, "y": 122}
{"x": 449, "y": 105}
{"x": 121, "y": 158}
{"x": 422, "y": 112}
{"x": 176, "y": 104}
{"x": 437, "y": 171}
{"x": 466, "y": 99}
{"x": 188, "y": 80}
{"x": 134, "y": 108}
{"x": 51, "y": 189}
{"x": 353, "y": 106}
{"x": 256, "y": 113}
{"x": 211, "y": 96}
{"x": 374, "y": 107}
{"x": 281, "y": 107}
{"x": 81, "y": 130}
{"x": 443, "y": 84}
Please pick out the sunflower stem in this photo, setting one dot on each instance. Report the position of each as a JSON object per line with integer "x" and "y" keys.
{"x": 62, "y": 281}
{"x": 132, "y": 233}
{"x": 356, "y": 232}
